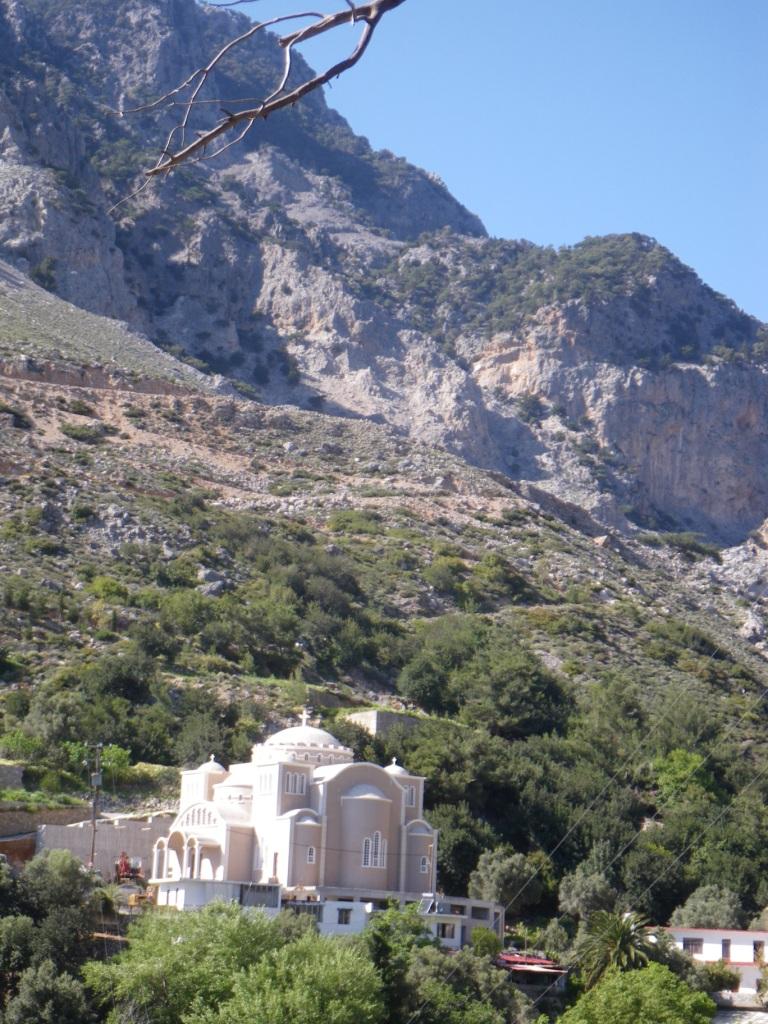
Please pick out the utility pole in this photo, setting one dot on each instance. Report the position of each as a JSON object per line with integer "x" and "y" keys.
{"x": 95, "y": 765}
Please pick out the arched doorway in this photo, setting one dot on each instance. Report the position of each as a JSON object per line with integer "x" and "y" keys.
{"x": 175, "y": 858}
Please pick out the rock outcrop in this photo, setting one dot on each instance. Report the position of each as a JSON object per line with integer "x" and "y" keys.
{"x": 315, "y": 271}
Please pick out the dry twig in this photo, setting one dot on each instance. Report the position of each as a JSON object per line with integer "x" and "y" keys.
{"x": 179, "y": 148}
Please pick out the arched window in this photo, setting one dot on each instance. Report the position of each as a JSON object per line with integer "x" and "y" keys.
{"x": 410, "y": 796}
{"x": 374, "y": 851}
{"x": 302, "y": 786}
{"x": 424, "y": 865}
{"x": 310, "y": 855}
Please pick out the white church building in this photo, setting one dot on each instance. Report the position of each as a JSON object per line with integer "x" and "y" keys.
{"x": 304, "y": 826}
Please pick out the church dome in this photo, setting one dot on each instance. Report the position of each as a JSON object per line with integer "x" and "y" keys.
{"x": 212, "y": 767}
{"x": 302, "y": 743}
{"x": 395, "y": 768}
{"x": 302, "y": 736}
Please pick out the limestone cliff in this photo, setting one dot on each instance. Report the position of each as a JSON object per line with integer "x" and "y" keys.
{"x": 315, "y": 271}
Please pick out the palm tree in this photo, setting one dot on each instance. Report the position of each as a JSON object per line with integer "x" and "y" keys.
{"x": 613, "y": 940}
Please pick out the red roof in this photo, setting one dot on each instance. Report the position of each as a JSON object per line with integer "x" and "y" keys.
{"x": 522, "y": 962}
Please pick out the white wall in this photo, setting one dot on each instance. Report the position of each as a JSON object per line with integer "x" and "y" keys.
{"x": 742, "y": 950}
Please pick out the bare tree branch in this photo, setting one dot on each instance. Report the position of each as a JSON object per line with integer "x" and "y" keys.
{"x": 179, "y": 148}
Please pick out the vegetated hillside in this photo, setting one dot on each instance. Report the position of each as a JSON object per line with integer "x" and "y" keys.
{"x": 182, "y": 568}
{"x": 180, "y": 571}
{"x": 320, "y": 273}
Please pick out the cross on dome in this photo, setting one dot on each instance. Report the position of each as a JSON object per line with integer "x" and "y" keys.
{"x": 305, "y": 715}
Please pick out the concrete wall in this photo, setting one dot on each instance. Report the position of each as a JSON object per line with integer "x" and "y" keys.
{"x": 380, "y": 723}
{"x": 135, "y": 836}
{"x": 191, "y": 895}
{"x": 418, "y": 845}
{"x": 294, "y": 801}
{"x": 349, "y": 819}
{"x": 16, "y": 821}
{"x": 11, "y": 775}
{"x": 240, "y": 855}
{"x": 306, "y": 834}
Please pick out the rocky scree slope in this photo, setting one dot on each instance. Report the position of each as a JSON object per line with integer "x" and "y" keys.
{"x": 116, "y": 498}
{"x": 315, "y": 271}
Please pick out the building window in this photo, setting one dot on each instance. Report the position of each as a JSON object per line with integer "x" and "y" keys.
{"x": 310, "y": 855}
{"x": 446, "y": 931}
{"x": 344, "y": 916}
{"x": 424, "y": 865}
{"x": 410, "y": 796}
{"x": 374, "y": 851}
{"x": 693, "y": 946}
{"x": 295, "y": 782}
{"x": 725, "y": 953}
{"x": 758, "y": 949}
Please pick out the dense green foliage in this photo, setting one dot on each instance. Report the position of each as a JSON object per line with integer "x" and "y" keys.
{"x": 47, "y": 918}
{"x": 650, "y": 996}
{"x": 542, "y": 760}
{"x": 710, "y": 906}
{"x": 226, "y": 966}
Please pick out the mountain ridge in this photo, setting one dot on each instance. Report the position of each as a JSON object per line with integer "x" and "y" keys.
{"x": 313, "y": 271}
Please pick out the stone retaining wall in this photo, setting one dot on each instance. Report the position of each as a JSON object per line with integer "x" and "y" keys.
{"x": 15, "y": 820}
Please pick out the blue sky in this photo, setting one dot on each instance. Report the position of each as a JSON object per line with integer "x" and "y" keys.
{"x": 555, "y": 119}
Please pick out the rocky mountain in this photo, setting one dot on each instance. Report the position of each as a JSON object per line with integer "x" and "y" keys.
{"x": 316, "y": 272}
{"x": 290, "y": 427}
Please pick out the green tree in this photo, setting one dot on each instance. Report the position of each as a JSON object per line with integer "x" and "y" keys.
{"x": 439, "y": 646}
{"x": 680, "y": 772}
{"x": 613, "y": 940}
{"x": 463, "y": 837}
{"x": 506, "y": 877}
{"x": 652, "y": 995}
{"x": 584, "y": 891}
{"x": 315, "y": 980}
{"x": 46, "y": 996}
{"x": 653, "y": 878}
{"x": 390, "y": 939}
{"x": 485, "y": 942}
{"x": 199, "y": 737}
{"x": 54, "y": 880}
{"x": 710, "y": 906}
{"x": 178, "y": 962}
{"x": 17, "y": 946}
{"x": 461, "y": 989}
{"x": 506, "y": 690}
{"x": 715, "y": 977}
